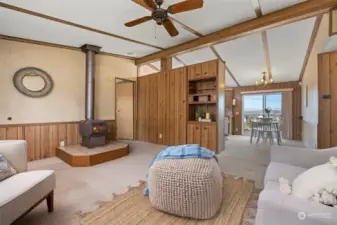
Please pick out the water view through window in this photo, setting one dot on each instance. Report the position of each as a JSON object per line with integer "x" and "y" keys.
{"x": 254, "y": 107}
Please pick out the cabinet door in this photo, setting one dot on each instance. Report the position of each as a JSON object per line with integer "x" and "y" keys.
{"x": 193, "y": 133}
{"x": 198, "y": 70}
{"x": 213, "y": 68}
{"x": 204, "y": 69}
{"x": 191, "y": 72}
{"x": 209, "y": 137}
{"x": 209, "y": 68}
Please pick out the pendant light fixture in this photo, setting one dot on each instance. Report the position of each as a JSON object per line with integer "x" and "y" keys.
{"x": 264, "y": 80}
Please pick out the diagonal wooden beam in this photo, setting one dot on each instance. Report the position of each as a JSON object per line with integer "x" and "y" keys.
{"x": 179, "y": 60}
{"x": 311, "y": 45}
{"x": 284, "y": 16}
{"x": 266, "y": 53}
{"x": 215, "y": 52}
{"x": 153, "y": 67}
{"x": 232, "y": 76}
{"x": 258, "y": 12}
{"x": 58, "y": 20}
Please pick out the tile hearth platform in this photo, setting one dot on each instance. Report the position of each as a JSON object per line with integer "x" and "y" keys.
{"x": 80, "y": 156}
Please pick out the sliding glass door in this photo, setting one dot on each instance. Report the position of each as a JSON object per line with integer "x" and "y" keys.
{"x": 254, "y": 106}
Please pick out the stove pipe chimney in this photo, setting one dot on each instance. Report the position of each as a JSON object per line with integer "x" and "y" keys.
{"x": 90, "y": 51}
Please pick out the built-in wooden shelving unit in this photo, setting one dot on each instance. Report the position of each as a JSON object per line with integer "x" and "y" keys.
{"x": 205, "y": 82}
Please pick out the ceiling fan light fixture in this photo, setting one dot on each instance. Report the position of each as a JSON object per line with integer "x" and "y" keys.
{"x": 160, "y": 15}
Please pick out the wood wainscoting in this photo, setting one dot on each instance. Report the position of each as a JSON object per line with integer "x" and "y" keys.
{"x": 296, "y": 102}
{"x": 44, "y": 138}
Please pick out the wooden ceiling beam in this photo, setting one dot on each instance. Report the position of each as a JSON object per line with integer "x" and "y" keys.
{"x": 284, "y": 16}
{"x": 258, "y": 12}
{"x": 32, "y": 13}
{"x": 48, "y": 44}
{"x": 311, "y": 45}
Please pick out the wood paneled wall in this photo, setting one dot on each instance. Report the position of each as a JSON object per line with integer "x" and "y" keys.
{"x": 162, "y": 108}
{"x": 43, "y": 138}
{"x": 228, "y": 98}
{"x": 327, "y": 100}
{"x": 297, "y": 105}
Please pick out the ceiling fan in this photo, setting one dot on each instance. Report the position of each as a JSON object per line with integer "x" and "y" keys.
{"x": 160, "y": 15}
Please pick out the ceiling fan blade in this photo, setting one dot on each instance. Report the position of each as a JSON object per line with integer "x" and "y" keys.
{"x": 171, "y": 29}
{"x": 138, "y": 21}
{"x": 150, "y": 4}
{"x": 185, "y": 6}
{"x": 142, "y": 4}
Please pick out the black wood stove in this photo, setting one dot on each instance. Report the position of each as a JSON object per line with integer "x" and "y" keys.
{"x": 93, "y": 132}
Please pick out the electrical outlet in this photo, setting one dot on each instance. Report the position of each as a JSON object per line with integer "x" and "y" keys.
{"x": 160, "y": 136}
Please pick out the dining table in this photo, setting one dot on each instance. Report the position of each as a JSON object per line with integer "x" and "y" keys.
{"x": 266, "y": 129}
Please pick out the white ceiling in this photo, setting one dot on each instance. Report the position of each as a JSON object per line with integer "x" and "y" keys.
{"x": 268, "y": 6}
{"x": 287, "y": 47}
{"x": 244, "y": 56}
{"x": 30, "y": 27}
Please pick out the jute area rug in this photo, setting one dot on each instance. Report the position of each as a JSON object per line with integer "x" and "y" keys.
{"x": 238, "y": 208}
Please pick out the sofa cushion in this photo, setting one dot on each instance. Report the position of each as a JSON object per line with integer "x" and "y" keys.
{"x": 22, "y": 191}
{"x": 277, "y": 170}
{"x": 278, "y": 209}
{"x": 6, "y": 169}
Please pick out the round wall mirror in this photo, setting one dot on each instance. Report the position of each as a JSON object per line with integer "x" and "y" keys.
{"x": 33, "y": 82}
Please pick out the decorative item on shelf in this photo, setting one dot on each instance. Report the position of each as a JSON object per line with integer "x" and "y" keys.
{"x": 208, "y": 116}
{"x": 199, "y": 114}
{"x": 264, "y": 80}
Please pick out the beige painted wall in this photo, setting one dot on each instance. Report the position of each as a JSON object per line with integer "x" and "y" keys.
{"x": 67, "y": 69}
{"x": 310, "y": 113}
{"x": 146, "y": 70}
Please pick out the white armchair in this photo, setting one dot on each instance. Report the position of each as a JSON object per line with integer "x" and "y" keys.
{"x": 276, "y": 208}
{"x": 20, "y": 193}
{"x": 301, "y": 157}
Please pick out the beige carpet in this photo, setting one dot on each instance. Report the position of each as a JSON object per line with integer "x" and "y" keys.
{"x": 79, "y": 189}
{"x": 133, "y": 208}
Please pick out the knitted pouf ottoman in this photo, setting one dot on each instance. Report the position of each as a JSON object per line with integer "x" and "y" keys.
{"x": 186, "y": 187}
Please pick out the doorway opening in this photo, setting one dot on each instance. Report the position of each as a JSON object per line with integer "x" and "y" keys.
{"x": 255, "y": 105}
{"x": 124, "y": 108}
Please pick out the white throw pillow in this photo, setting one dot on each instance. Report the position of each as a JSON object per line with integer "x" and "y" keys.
{"x": 312, "y": 181}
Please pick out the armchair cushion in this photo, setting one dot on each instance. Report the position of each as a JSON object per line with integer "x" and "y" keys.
{"x": 278, "y": 209}
{"x": 16, "y": 153}
{"x": 6, "y": 169}
{"x": 277, "y": 170}
{"x": 22, "y": 191}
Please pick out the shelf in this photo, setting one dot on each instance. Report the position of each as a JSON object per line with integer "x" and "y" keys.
{"x": 203, "y": 94}
{"x": 201, "y": 78}
{"x": 202, "y": 103}
{"x": 200, "y": 122}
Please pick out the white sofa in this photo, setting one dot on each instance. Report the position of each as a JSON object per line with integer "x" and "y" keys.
{"x": 22, "y": 192}
{"x": 275, "y": 208}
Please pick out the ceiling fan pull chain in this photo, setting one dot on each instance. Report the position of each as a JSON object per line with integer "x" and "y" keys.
{"x": 155, "y": 31}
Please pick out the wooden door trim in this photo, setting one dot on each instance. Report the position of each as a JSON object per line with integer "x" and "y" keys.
{"x": 134, "y": 91}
